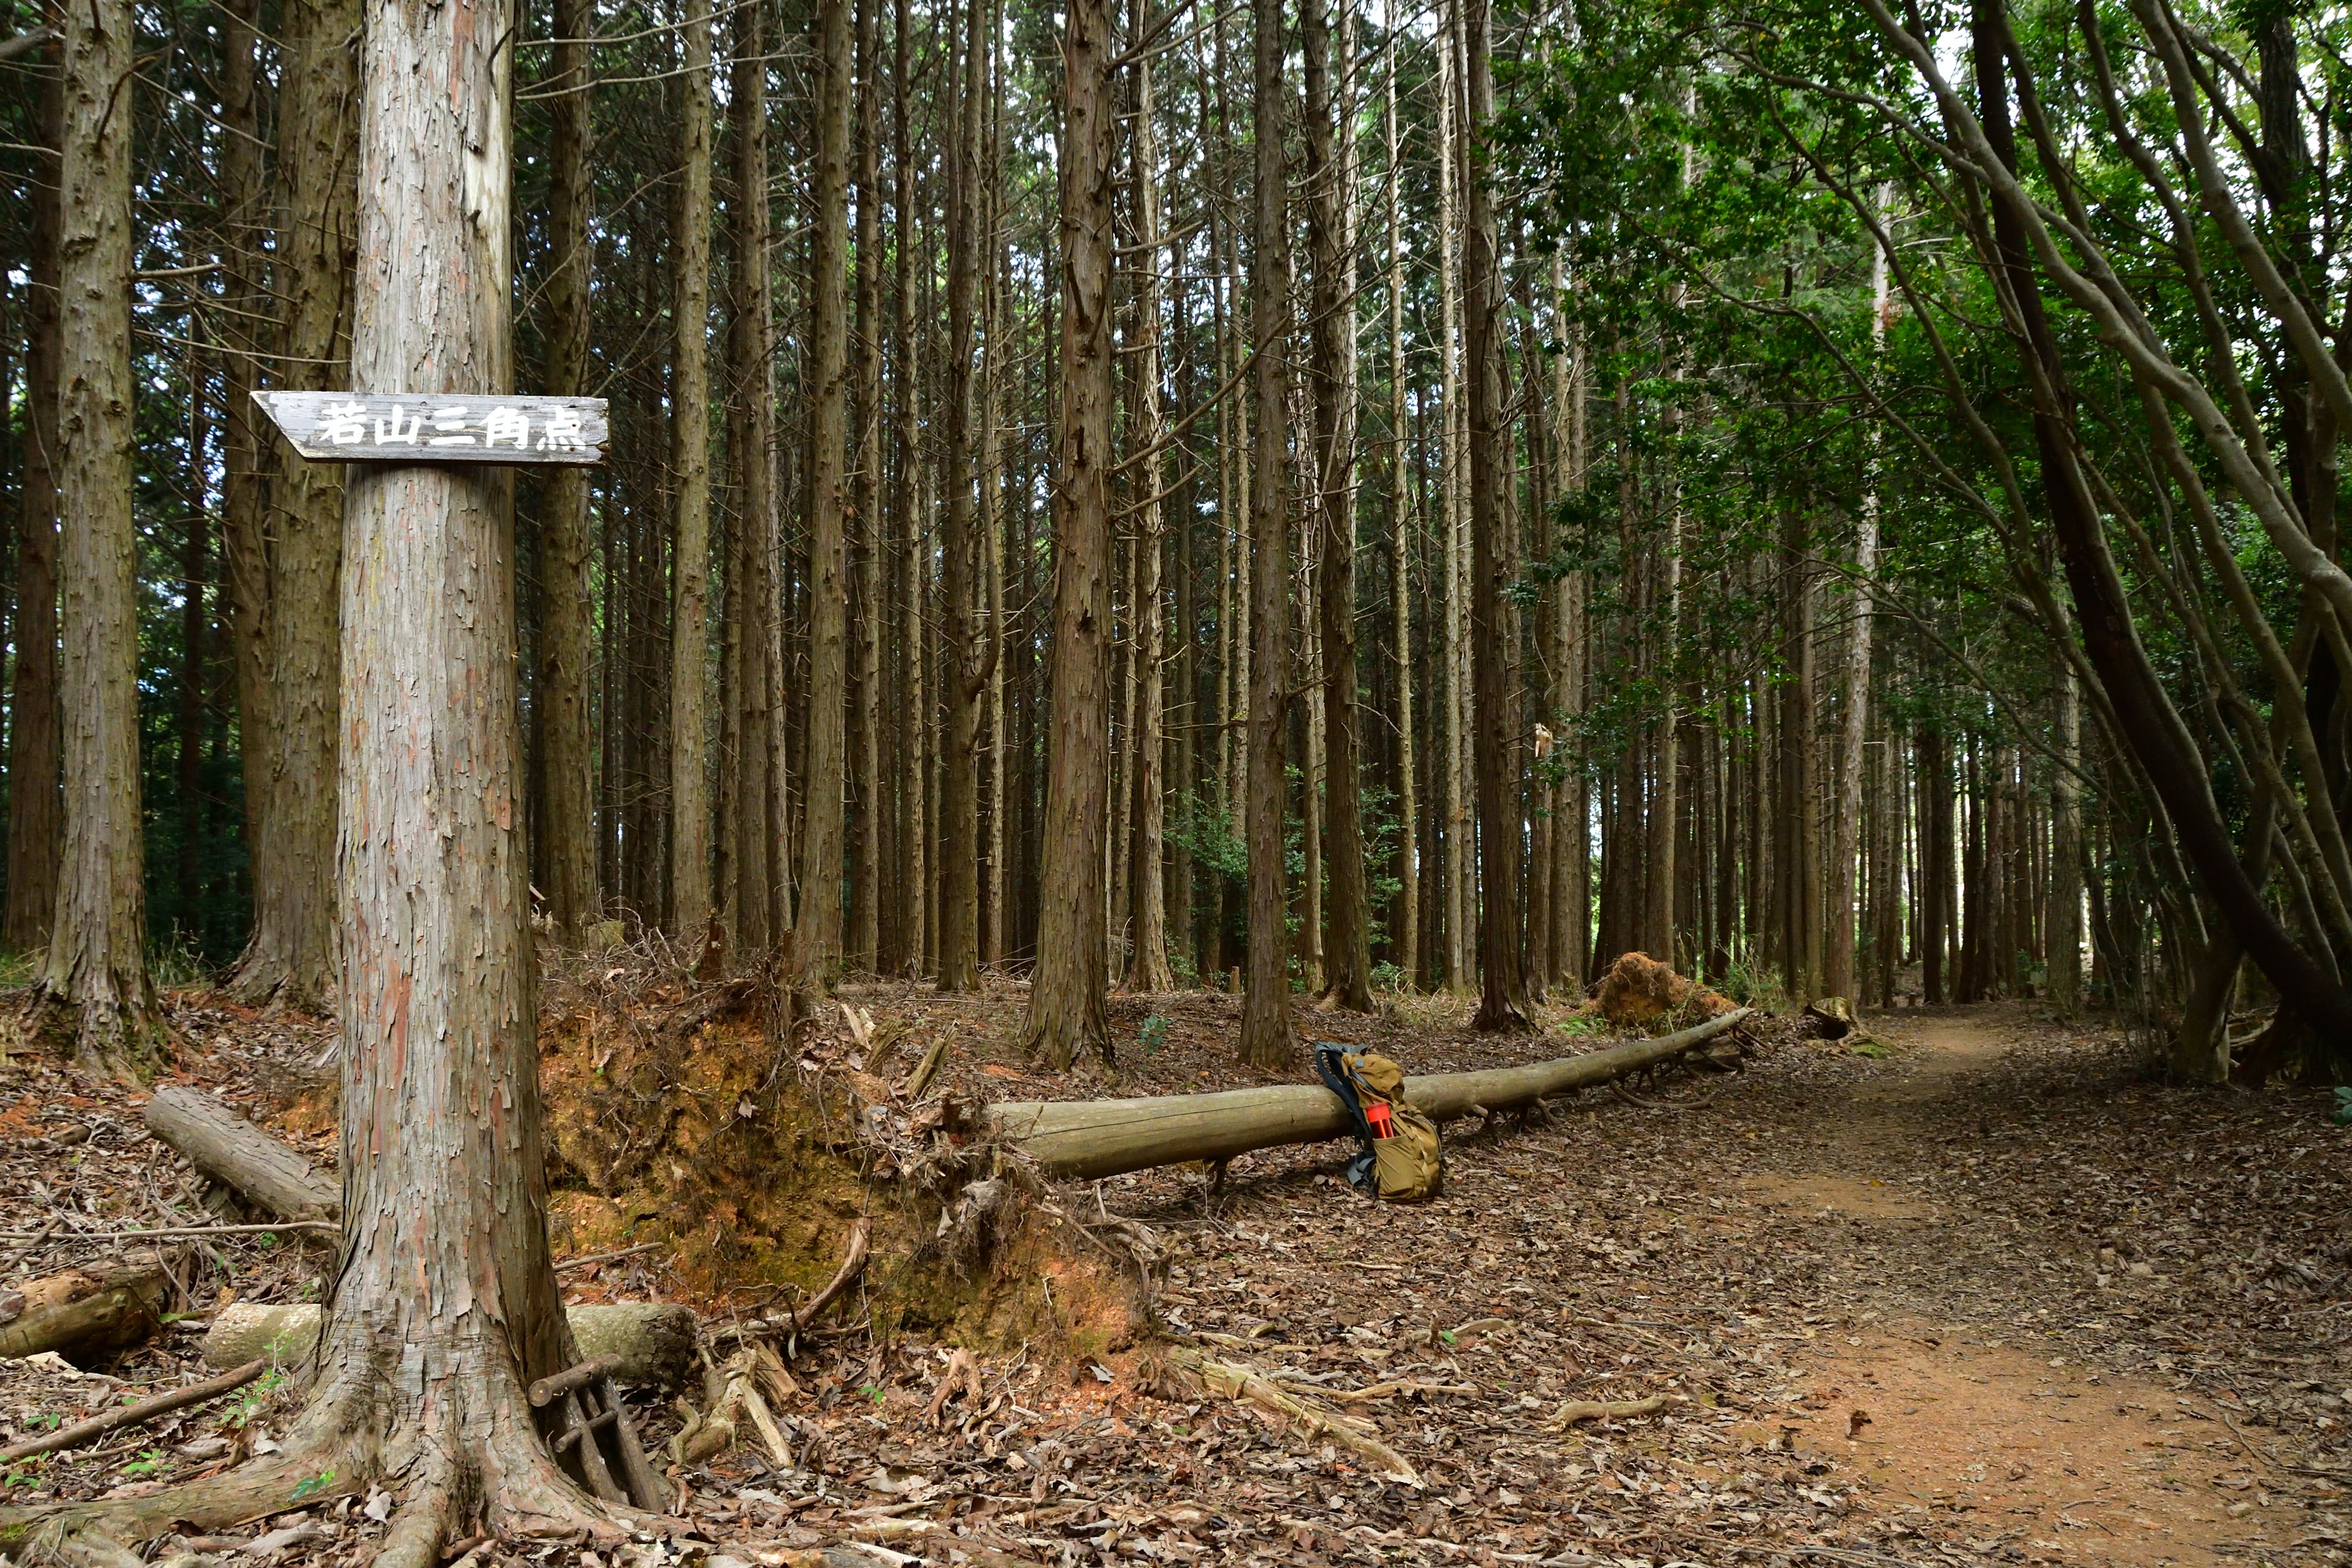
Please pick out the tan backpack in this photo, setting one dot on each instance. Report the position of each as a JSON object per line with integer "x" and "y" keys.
{"x": 1408, "y": 1159}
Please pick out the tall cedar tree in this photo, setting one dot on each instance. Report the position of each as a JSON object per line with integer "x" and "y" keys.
{"x": 1068, "y": 1009}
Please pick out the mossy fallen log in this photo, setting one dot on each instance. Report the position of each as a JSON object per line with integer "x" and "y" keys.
{"x": 1088, "y": 1138}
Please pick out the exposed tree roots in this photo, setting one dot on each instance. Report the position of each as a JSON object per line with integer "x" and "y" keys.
{"x": 490, "y": 1467}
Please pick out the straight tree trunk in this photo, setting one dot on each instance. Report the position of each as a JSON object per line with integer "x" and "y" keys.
{"x": 965, "y": 666}
{"x": 95, "y": 974}
{"x": 1799, "y": 904}
{"x": 914, "y": 823}
{"x": 1451, "y": 511}
{"x": 816, "y": 938}
{"x": 759, "y": 899}
{"x": 445, "y": 1305}
{"x": 1068, "y": 1017}
{"x": 1932, "y": 769}
{"x": 290, "y": 958}
{"x": 1502, "y": 950}
{"x": 1571, "y": 828}
{"x": 245, "y": 563}
{"x": 1845, "y": 821}
{"x": 1404, "y": 931}
{"x": 566, "y": 816}
{"x": 2065, "y": 956}
{"x": 1148, "y": 968}
{"x": 36, "y": 807}
{"x": 196, "y": 620}
{"x": 690, "y": 697}
{"x": 866, "y": 841}
{"x": 1347, "y": 950}
{"x": 1266, "y": 1039}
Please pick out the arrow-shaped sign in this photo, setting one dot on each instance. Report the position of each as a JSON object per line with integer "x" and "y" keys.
{"x": 437, "y": 427}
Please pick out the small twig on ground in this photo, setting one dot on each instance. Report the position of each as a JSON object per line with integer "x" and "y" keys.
{"x": 595, "y": 1257}
{"x": 1577, "y": 1410}
{"x": 146, "y": 1410}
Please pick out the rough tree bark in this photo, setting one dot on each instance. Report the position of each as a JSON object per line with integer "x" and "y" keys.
{"x": 2065, "y": 961}
{"x": 816, "y": 939}
{"x": 1347, "y": 950}
{"x": 1147, "y": 903}
{"x": 35, "y": 805}
{"x": 288, "y": 960}
{"x": 1266, "y": 1039}
{"x": 969, "y": 659}
{"x": 445, "y": 1307}
{"x": 759, "y": 899}
{"x": 95, "y": 974}
{"x": 1066, "y": 1002}
{"x": 689, "y": 699}
{"x": 566, "y": 646}
{"x": 1502, "y": 950}
{"x": 1404, "y": 925}
{"x": 865, "y": 843}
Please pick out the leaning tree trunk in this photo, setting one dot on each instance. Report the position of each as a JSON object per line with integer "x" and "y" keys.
{"x": 816, "y": 939}
{"x": 1502, "y": 952}
{"x": 34, "y": 807}
{"x": 97, "y": 965}
{"x": 566, "y": 635}
{"x": 1067, "y": 1012}
{"x": 1266, "y": 1018}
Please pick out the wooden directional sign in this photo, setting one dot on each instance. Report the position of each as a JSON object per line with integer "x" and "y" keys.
{"x": 437, "y": 427}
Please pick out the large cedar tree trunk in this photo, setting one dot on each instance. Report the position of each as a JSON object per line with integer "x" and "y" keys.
{"x": 567, "y": 820}
{"x": 690, "y": 701}
{"x": 1147, "y": 968}
{"x": 34, "y": 807}
{"x": 1346, "y": 952}
{"x": 1502, "y": 952}
{"x": 965, "y": 668}
{"x": 758, "y": 900}
{"x": 1266, "y": 1039}
{"x": 97, "y": 969}
{"x": 816, "y": 939}
{"x": 1066, "y": 1005}
{"x": 290, "y": 957}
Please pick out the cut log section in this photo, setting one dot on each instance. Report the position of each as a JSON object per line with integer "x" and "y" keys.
{"x": 650, "y": 1342}
{"x": 89, "y": 1311}
{"x": 1090, "y": 1137}
{"x": 233, "y": 1152}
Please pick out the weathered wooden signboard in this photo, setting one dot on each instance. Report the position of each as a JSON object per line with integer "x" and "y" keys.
{"x": 437, "y": 427}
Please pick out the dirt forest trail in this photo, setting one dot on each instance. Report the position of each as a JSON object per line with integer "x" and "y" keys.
{"x": 1981, "y": 1293}
{"x": 1970, "y": 1416}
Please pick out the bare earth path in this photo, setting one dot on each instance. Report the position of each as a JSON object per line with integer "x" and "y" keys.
{"x": 1969, "y": 1416}
{"x": 1988, "y": 1295}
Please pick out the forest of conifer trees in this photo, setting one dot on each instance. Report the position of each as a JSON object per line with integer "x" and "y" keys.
{"x": 1323, "y": 500}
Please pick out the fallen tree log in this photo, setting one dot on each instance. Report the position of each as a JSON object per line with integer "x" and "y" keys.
{"x": 654, "y": 1341}
{"x": 1088, "y": 1138}
{"x": 233, "y": 1152}
{"x": 88, "y": 1311}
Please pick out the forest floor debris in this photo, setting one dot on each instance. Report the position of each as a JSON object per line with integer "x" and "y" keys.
{"x": 1992, "y": 1297}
